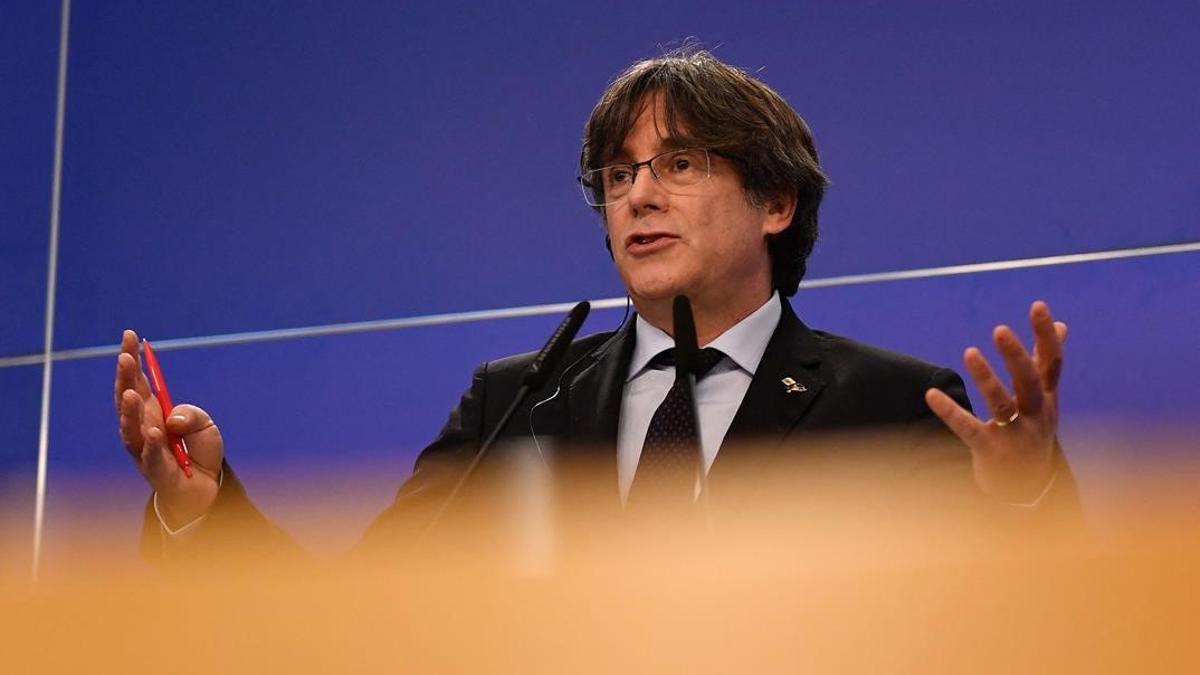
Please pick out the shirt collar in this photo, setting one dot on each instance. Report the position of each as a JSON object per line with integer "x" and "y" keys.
{"x": 744, "y": 343}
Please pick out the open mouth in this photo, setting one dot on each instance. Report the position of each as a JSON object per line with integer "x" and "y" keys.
{"x": 642, "y": 240}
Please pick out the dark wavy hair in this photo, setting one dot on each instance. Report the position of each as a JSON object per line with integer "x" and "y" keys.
{"x": 712, "y": 104}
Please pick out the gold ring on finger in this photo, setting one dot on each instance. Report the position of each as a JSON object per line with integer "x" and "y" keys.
{"x": 1012, "y": 418}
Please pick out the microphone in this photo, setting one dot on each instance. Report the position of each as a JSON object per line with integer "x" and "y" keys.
{"x": 687, "y": 352}
{"x": 687, "y": 363}
{"x": 535, "y": 376}
{"x": 555, "y": 347}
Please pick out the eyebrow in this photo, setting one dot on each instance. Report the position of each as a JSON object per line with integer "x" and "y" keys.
{"x": 665, "y": 145}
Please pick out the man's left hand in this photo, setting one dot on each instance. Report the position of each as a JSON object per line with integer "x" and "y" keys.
{"x": 1013, "y": 452}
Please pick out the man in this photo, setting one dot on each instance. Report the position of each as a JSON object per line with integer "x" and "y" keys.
{"x": 709, "y": 185}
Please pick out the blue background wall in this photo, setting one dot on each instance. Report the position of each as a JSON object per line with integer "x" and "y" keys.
{"x": 238, "y": 166}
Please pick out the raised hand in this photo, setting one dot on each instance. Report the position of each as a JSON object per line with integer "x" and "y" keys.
{"x": 143, "y": 431}
{"x": 1013, "y": 452}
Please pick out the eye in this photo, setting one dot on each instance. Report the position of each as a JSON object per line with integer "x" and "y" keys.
{"x": 617, "y": 175}
{"x": 683, "y": 162}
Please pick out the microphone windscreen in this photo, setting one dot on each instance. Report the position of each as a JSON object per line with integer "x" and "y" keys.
{"x": 686, "y": 349}
{"x": 556, "y": 346}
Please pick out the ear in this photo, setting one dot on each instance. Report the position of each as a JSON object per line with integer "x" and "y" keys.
{"x": 779, "y": 212}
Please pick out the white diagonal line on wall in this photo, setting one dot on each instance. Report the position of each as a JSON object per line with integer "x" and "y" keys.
{"x": 605, "y": 303}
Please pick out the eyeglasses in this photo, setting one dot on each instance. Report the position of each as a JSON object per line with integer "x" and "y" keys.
{"x": 675, "y": 171}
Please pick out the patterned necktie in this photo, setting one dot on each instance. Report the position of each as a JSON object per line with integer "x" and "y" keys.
{"x": 670, "y": 459}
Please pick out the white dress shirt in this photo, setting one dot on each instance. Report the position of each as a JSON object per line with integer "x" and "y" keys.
{"x": 718, "y": 394}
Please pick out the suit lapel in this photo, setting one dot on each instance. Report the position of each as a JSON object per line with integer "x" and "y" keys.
{"x": 592, "y": 401}
{"x": 593, "y": 396}
{"x": 783, "y": 388}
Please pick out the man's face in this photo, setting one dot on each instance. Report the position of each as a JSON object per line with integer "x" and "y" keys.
{"x": 708, "y": 243}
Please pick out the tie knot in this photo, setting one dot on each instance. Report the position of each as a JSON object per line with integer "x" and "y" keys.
{"x": 706, "y": 360}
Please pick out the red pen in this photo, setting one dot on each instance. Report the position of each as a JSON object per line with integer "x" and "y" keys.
{"x": 164, "y": 401}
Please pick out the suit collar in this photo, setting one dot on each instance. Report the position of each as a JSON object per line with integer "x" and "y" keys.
{"x": 744, "y": 343}
{"x": 770, "y": 409}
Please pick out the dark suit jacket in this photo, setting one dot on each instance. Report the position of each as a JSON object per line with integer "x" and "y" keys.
{"x": 843, "y": 386}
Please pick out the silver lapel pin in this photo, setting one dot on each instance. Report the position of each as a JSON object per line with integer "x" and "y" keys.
{"x": 793, "y": 387}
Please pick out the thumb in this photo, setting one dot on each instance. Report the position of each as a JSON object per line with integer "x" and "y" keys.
{"x": 187, "y": 419}
{"x": 200, "y": 435}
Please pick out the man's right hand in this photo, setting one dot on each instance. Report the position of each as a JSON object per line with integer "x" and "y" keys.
{"x": 181, "y": 500}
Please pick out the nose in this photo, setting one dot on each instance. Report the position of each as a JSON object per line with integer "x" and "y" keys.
{"x": 646, "y": 194}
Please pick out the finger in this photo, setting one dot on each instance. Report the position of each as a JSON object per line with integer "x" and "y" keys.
{"x": 157, "y": 462}
{"x": 188, "y": 419}
{"x": 118, "y": 379}
{"x": 1025, "y": 380}
{"x": 131, "y": 346}
{"x": 1047, "y": 346}
{"x": 129, "y": 378}
{"x": 118, "y": 387}
{"x": 129, "y": 342}
{"x": 129, "y": 369}
{"x": 999, "y": 401}
{"x": 131, "y": 423}
{"x": 962, "y": 423}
